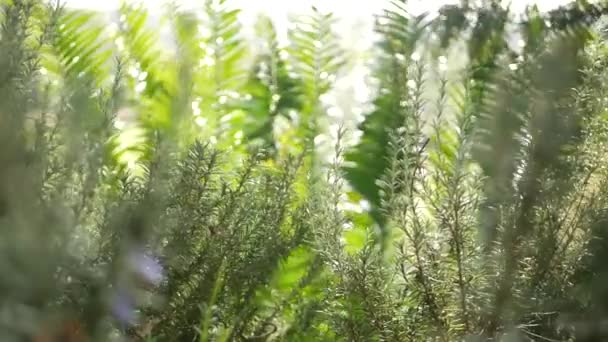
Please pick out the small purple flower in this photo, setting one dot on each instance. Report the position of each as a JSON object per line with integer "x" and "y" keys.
{"x": 123, "y": 307}
{"x": 147, "y": 267}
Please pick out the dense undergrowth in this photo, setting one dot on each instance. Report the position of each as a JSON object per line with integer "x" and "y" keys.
{"x": 181, "y": 193}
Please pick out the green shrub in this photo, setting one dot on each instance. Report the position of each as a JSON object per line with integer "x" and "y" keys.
{"x": 180, "y": 193}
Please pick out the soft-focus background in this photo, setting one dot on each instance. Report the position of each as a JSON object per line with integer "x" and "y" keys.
{"x": 374, "y": 171}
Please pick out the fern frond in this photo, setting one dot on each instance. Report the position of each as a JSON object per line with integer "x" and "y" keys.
{"x": 271, "y": 91}
{"x": 220, "y": 75}
{"x": 141, "y": 50}
{"x": 81, "y": 47}
{"x": 317, "y": 57}
{"x": 370, "y": 161}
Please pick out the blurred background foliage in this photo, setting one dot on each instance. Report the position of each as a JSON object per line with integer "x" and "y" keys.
{"x": 213, "y": 188}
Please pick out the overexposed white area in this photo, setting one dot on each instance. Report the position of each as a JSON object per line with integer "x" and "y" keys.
{"x": 353, "y": 15}
{"x": 347, "y": 8}
{"x": 355, "y": 22}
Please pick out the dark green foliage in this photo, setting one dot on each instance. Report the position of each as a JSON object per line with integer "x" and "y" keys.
{"x": 211, "y": 217}
{"x": 395, "y": 109}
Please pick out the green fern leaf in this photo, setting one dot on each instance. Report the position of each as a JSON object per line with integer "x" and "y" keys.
{"x": 369, "y": 161}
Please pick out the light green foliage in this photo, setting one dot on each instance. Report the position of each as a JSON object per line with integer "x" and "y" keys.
{"x": 272, "y": 90}
{"x": 315, "y": 57}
